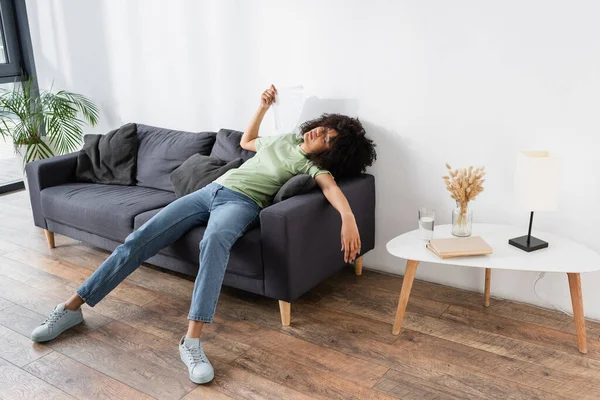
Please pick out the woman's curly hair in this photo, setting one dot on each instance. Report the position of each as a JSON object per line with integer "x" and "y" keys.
{"x": 351, "y": 151}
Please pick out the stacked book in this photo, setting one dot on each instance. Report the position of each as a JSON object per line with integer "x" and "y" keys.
{"x": 459, "y": 247}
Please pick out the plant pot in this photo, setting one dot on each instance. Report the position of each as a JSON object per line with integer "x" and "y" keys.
{"x": 20, "y": 153}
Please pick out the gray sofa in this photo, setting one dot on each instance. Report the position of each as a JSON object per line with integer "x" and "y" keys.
{"x": 296, "y": 246}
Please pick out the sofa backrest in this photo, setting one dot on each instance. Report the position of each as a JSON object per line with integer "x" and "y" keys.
{"x": 162, "y": 150}
{"x": 227, "y": 146}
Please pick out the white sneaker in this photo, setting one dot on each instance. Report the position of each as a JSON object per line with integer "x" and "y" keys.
{"x": 59, "y": 320}
{"x": 192, "y": 355}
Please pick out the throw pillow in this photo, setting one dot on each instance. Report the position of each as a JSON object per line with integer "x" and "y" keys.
{"x": 110, "y": 158}
{"x": 296, "y": 185}
{"x": 227, "y": 146}
{"x": 198, "y": 171}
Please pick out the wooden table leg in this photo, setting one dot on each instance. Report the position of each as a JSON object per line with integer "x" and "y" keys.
{"x": 488, "y": 282}
{"x": 407, "y": 281}
{"x": 577, "y": 301}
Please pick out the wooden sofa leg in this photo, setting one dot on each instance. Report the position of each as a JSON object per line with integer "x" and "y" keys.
{"x": 285, "y": 310}
{"x": 358, "y": 266}
{"x": 49, "y": 238}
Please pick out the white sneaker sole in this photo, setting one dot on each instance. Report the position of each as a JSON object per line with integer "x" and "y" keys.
{"x": 57, "y": 334}
{"x": 199, "y": 381}
{"x": 202, "y": 381}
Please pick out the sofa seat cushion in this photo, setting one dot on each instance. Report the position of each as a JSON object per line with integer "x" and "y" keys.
{"x": 245, "y": 258}
{"x": 106, "y": 210}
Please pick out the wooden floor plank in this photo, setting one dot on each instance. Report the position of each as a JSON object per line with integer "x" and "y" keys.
{"x": 236, "y": 337}
{"x": 542, "y": 317}
{"x": 16, "y": 197}
{"x": 163, "y": 352}
{"x": 30, "y": 276}
{"x": 379, "y": 304}
{"x": 42, "y": 302}
{"x": 23, "y": 212}
{"x": 422, "y": 289}
{"x": 317, "y": 384}
{"x": 520, "y": 330}
{"x": 18, "y": 349}
{"x": 74, "y": 273}
{"x": 32, "y": 240}
{"x": 15, "y": 222}
{"x": 80, "y": 381}
{"x": 16, "y": 384}
{"x": 468, "y": 383}
{"x": 370, "y": 350}
{"x": 271, "y": 339}
{"x": 21, "y": 320}
{"x": 521, "y": 372}
{"x": 345, "y": 321}
{"x": 146, "y": 277}
{"x": 234, "y": 382}
{"x": 209, "y": 391}
{"x": 406, "y": 386}
{"x": 166, "y": 327}
{"x": 5, "y": 304}
{"x": 338, "y": 346}
{"x": 547, "y": 357}
{"x": 127, "y": 367}
{"x": 314, "y": 356}
{"x": 376, "y": 352}
{"x": 7, "y": 247}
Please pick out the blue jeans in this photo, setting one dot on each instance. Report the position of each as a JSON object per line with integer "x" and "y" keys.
{"x": 229, "y": 215}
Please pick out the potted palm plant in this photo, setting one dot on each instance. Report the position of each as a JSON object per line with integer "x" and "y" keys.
{"x": 44, "y": 124}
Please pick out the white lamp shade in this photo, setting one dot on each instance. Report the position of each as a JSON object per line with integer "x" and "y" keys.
{"x": 536, "y": 181}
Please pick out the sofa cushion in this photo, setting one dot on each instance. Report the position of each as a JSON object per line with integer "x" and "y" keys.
{"x": 246, "y": 254}
{"x": 110, "y": 158}
{"x": 162, "y": 150}
{"x": 198, "y": 171}
{"x": 227, "y": 146}
{"x": 296, "y": 185}
{"x": 106, "y": 210}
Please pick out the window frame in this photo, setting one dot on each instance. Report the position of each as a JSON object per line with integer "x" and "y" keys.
{"x": 21, "y": 63}
{"x": 11, "y": 70}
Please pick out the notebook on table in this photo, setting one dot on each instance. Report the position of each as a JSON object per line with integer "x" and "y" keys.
{"x": 459, "y": 247}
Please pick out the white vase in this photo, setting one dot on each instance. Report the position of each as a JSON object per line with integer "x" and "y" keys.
{"x": 20, "y": 152}
{"x": 462, "y": 220}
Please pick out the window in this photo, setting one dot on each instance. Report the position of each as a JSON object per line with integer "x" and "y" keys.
{"x": 16, "y": 64}
{"x": 10, "y": 49}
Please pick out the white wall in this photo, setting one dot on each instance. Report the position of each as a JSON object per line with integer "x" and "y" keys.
{"x": 464, "y": 82}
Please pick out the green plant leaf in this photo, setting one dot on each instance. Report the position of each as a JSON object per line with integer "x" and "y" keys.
{"x": 25, "y": 113}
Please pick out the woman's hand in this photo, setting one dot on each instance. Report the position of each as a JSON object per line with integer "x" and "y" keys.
{"x": 268, "y": 97}
{"x": 350, "y": 238}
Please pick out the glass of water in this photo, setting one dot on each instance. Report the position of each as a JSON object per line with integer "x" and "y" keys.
{"x": 426, "y": 222}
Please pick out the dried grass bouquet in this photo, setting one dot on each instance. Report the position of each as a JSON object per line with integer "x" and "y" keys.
{"x": 464, "y": 185}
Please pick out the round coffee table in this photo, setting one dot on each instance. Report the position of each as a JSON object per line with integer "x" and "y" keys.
{"x": 562, "y": 255}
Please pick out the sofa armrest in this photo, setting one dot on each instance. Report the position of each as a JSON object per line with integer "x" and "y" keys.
{"x": 45, "y": 173}
{"x": 300, "y": 238}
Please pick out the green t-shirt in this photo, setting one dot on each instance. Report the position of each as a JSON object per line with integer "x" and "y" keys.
{"x": 277, "y": 159}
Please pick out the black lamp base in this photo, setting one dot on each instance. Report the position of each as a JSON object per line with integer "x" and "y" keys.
{"x": 528, "y": 245}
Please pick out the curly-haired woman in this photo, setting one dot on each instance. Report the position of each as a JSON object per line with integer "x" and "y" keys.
{"x": 332, "y": 145}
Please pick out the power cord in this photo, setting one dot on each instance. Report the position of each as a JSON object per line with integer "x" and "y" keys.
{"x": 540, "y": 276}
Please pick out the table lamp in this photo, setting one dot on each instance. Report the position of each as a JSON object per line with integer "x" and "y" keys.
{"x": 536, "y": 190}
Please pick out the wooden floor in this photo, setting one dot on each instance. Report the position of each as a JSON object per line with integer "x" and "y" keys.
{"x": 339, "y": 345}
